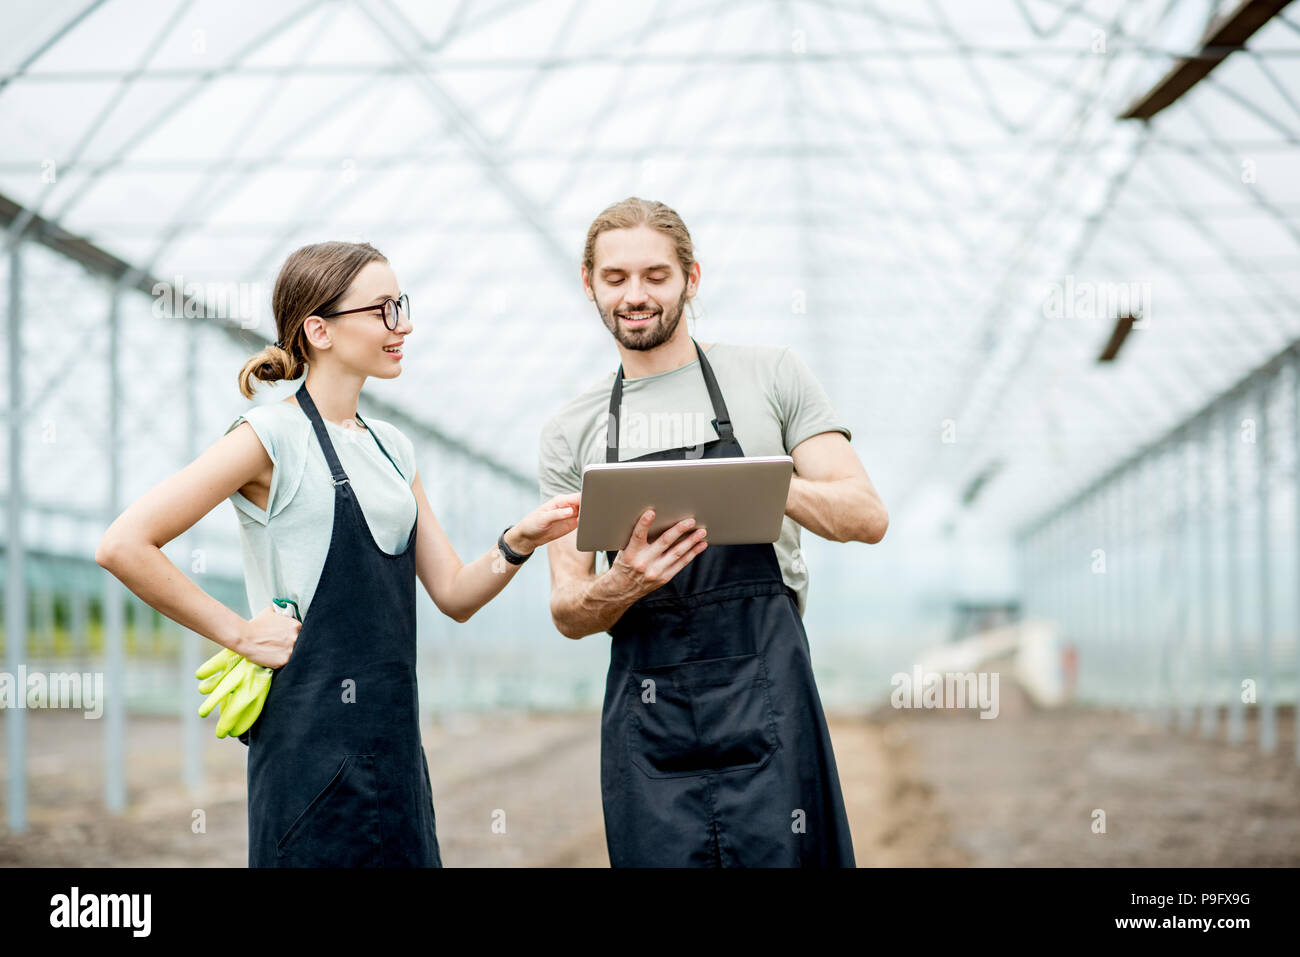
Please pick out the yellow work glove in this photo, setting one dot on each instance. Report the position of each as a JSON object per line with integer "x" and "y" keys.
{"x": 241, "y": 694}
{"x": 236, "y": 684}
{"x": 215, "y": 668}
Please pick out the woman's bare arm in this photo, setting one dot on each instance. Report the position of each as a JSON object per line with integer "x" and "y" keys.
{"x": 458, "y": 589}
{"x": 132, "y": 546}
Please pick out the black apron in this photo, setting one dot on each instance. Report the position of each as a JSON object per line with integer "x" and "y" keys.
{"x": 714, "y": 748}
{"x": 336, "y": 770}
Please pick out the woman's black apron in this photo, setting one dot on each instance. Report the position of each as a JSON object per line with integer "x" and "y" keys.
{"x": 336, "y": 770}
{"x": 714, "y": 748}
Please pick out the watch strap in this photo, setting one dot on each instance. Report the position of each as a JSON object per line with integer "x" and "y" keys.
{"x": 508, "y": 553}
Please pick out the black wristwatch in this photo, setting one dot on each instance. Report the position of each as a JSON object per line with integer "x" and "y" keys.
{"x": 508, "y": 553}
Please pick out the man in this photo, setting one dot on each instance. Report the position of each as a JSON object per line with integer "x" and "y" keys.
{"x": 714, "y": 748}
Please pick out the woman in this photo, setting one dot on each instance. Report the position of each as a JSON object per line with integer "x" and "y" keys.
{"x": 333, "y": 518}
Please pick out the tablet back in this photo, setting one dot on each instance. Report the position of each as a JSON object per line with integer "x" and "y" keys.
{"x": 741, "y": 501}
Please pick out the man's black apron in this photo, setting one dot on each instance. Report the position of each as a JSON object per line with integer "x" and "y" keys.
{"x": 714, "y": 748}
{"x": 336, "y": 770}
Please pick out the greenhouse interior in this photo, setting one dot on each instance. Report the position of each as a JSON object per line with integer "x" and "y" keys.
{"x": 1042, "y": 257}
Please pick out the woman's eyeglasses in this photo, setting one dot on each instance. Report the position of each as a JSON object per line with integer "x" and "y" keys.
{"x": 389, "y": 307}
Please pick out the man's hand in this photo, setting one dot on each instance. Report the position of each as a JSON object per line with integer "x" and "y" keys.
{"x": 644, "y": 565}
{"x": 583, "y": 603}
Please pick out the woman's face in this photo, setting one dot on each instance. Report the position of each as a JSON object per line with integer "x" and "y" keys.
{"x": 358, "y": 340}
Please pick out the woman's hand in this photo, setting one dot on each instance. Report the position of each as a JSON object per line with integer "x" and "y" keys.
{"x": 268, "y": 639}
{"x": 552, "y": 519}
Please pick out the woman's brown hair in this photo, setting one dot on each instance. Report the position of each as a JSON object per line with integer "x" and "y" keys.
{"x": 312, "y": 280}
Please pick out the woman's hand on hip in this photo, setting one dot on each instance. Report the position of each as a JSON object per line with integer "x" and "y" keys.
{"x": 269, "y": 638}
{"x": 553, "y": 519}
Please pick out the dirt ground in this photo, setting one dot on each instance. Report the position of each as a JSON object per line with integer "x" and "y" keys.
{"x": 923, "y": 788}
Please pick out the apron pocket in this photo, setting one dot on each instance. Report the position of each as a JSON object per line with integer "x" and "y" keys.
{"x": 340, "y": 827}
{"x": 702, "y": 716}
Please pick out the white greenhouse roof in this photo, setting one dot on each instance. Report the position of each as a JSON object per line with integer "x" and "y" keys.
{"x": 925, "y": 176}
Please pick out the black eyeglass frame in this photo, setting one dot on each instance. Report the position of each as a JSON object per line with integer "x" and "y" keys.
{"x": 403, "y": 303}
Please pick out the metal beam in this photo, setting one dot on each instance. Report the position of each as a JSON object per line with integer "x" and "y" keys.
{"x": 15, "y": 582}
{"x": 21, "y": 71}
{"x": 1266, "y": 693}
{"x": 1224, "y": 36}
{"x": 725, "y": 60}
{"x": 848, "y": 151}
{"x": 115, "y": 592}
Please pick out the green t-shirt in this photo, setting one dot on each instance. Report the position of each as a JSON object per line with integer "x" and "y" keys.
{"x": 772, "y": 397}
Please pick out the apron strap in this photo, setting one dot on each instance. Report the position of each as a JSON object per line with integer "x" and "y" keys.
{"x": 381, "y": 446}
{"x": 721, "y": 421}
{"x": 615, "y": 400}
{"x": 308, "y": 406}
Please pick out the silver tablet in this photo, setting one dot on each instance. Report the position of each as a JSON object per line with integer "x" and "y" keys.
{"x": 741, "y": 501}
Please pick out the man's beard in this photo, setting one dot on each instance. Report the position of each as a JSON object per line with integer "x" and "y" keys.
{"x": 649, "y": 336}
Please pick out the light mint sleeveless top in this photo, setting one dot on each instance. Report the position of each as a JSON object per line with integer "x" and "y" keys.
{"x": 285, "y": 544}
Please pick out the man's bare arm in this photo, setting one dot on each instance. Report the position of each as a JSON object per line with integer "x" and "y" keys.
{"x": 583, "y": 603}
{"x": 831, "y": 494}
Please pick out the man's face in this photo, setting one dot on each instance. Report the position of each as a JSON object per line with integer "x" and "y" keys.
{"x": 638, "y": 286}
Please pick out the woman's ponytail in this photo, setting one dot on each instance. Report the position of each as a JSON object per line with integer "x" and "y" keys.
{"x": 272, "y": 364}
